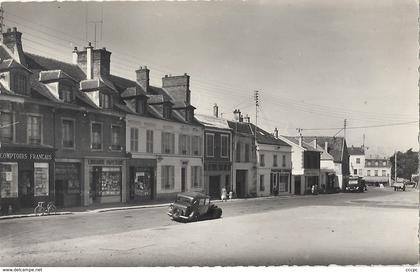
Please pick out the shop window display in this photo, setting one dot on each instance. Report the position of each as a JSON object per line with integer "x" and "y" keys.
{"x": 8, "y": 180}
{"x": 106, "y": 181}
{"x": 41, "y": 178}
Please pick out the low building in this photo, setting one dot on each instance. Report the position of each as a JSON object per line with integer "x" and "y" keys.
{"x": 378, "y": 171}
{"x": 217, "y": 155}
{"x": 357, "y": 161}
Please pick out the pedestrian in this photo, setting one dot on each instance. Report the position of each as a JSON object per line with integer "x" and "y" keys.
{"x": 313, "y": 189}
{"x": 224, "y": 194}
{"x": 230, "y": 195}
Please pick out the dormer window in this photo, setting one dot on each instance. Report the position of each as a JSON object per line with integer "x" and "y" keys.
{"x": 188, "y": 115}
{"x": 140, "y": 106}
{"x": 166, "y": 111}
{"x": 65, "y": 94}
{"x": 19, "y": 83}
{"x": 104, "y": 101}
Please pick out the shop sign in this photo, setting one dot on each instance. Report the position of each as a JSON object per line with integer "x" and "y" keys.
{"x": 105, "y": 162}
{"x": 311, "y": 172}
{"x": 26, "y": 156}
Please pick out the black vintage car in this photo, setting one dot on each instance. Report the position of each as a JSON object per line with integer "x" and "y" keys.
{"x": 356, "y": 184}
{"x": 193, "y": 206}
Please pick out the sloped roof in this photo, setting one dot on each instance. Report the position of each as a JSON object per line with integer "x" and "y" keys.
{"x": 212, "y": 121}
{"x": 53, "y": 75}
{"x": 263, "y": 137}
{"x": 353, "y": 150}
{"x": 335, "y": 145}
{"x": 305, "y": 145}
{"x": 36, "y": 62}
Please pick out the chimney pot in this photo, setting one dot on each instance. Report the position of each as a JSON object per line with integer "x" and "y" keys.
{"x": 300, "y": 140}
{"x": 14, "y": 29}
{"x": 215, "y": 110}
{"x": 326, "y": 147}
{"x": 276, "y": 133}
{"x": 185, "y": 74}
{"x": 90, "y": 44}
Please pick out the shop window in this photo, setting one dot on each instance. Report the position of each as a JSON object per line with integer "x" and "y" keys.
{"x": 246, "y": 152}
{"x": 168, "y": 143}
{"x": 96, "y": 137}
{"x": 275, "y": 160}
{"x": 104, "y": 101}
{"x": 262, "y": 160}
{"x": 262, "y": 185}
{"x": 68, "y": 133}
{"x": 115, "y": 137}
{"x": 19, "y": 83}
{"x": 134, "y": 139}
{"x": 284, "y": 183}
{"x": 225, "y": 146}
{"x": 69, "y": 175}
{"x": 105, "y": 181}
{"x": 184, "y": 147}
{"x": 196, "y": 145}
{"x": 6, "y": 127}
{"x": 41, "y": 179}
{"x": 34, "y": 129}
{"x": 196, "y": 181}
{"x": 8, "y": 180}
{"x": 284, "y": 160}
{"x": 149, "y": 141}
{"x": 168, "y": 177}
{"x": 65, "y": 93}
{"x": 209, "y": 145}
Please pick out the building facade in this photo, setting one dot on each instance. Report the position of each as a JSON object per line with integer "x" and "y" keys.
{"x": 217, "y": 155}
{"x": 357, "y": 161}
{"x": 378, "y": 171}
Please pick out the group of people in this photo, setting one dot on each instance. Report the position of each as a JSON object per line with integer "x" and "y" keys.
{"x": 224, "y": 195}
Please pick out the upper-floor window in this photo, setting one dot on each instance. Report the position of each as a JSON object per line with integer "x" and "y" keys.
{"x": 262, "y": 160}
{"x": 140, "y": 106}
{"x": 368, "y": 172}
{"x": 383, "y": 173}
{"x": 34, "y": 129}
{"x": 96, "y": 136}
{"x": 224, "y": 146}
{"x": 238, "y": 152}
{"x": 68, "y": 133}
{"x": 134, "y": 139}
{"x": 6, "y": 127}
{"x": 383, "y": 163}
{"x": 115, "y": 137}
{"x": 209, "y": 145}
{"x": 376, "y": 173}
{"x": 196, "y": 145}
{"x": 104, "y": 100}
{"x": 19, "y": 82}
{"x": 189, "y": 113}
{"x": 166, "y": 111}
{"x": 284, "y": 161}
{"x": 149, "y": 141}
{"x": 65, "y": 93}
{"x": 168, "y": 143}
{"x": 357, "y": 160}
{"x": 246, "y": 152}
{"x": 184, "y": 144}
{"x": 377, "y": 163}
{"x": 275, "y": 160}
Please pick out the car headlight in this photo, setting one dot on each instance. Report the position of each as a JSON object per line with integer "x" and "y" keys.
{"x": 357, "y": 188}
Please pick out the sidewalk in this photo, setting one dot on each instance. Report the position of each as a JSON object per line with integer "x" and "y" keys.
{"x": 99, "y": 208}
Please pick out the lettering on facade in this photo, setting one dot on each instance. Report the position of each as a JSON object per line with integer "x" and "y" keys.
{"x": 105, "y": 162}
{"x": 25, "y": 156}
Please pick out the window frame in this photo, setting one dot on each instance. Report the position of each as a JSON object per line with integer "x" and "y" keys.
{"x": 207, "y": 143}
{"x": 119, "y": 137}
{"x": 196, "y": 183}
{"x": 91, "y": 135}
{"x": 262, "y": 160}
{"x": 74, "y": 133}
{"x": 149, "y": 140}
{"x": 262, "y": 183}
{"x": 283, "y": 160}
{"x": 170, "y": 144}
{"x": 275, "y": 160}
{"x": 134, "y": 140}
{"x": 107, "y": 105}
{"x": 41, "y": 136}
{"x": 226, "y": 137}
{"x": 170, "y": 179}
{"x": 12, "y": 126}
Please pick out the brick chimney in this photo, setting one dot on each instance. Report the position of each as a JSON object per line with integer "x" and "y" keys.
{"x": 237, "y": 115}
{"x": 74, "y": 55}
{"x": 247, "y": 119}
{"x": 216, "y": 110}
{"x": 326, "y": 147}
{"x": 142, "y": 76}
{"x": 94, "y": 62}
{"x": 300, "y": 140}
{"x": 276, "y": 133}
{"x": 13, "y": 40}
{"x": 178, "y": 87}
{"x": 315, "y": 143}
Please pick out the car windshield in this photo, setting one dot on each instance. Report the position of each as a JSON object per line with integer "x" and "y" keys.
{"x": 183, "y": 199}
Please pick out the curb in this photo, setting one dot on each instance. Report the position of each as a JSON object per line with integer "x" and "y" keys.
{"x": 14, "y": 216}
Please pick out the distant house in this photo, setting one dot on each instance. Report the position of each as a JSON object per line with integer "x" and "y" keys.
{"x": 357, "y": 161}
{"x": 378, "y": 171}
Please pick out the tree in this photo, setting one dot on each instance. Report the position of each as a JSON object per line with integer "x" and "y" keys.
{"x": 407, "y": 164}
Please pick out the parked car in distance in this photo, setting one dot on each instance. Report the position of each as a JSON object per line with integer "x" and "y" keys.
{"x": 399, "y": 186}
{"x": 356, "y": 184}
{"x": 193, "y": 206}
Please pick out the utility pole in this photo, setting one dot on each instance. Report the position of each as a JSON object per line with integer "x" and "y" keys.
{"x": 345, "y": 125}
{"x": 395, "y": 167}
{"x": 1, "y": 22}
{"x": 257, "y": 104}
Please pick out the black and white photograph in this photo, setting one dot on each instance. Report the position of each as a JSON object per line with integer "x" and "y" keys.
{"x": 209, "y": 135}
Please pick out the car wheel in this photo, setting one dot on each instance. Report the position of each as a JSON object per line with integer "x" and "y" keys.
{"x": 217, "y": 213}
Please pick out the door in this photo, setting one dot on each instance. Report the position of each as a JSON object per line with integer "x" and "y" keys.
{"x": 183, "y": 178}
{"x": 142, "y": 185}
{"x": 297, "y": 185}
{"x": 214, "y": 187}
{"x": 26, "y": 188}
{"x": 240, "y": 182}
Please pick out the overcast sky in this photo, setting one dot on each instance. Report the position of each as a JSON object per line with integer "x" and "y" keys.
{"x": 314, "y": 62}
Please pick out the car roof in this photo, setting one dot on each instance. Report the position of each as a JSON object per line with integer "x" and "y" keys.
{"x": 192, "y": 195}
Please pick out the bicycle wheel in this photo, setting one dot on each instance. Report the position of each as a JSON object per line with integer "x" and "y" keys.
{"x": 52, "y": 209}
{"x": 39, "y": 210}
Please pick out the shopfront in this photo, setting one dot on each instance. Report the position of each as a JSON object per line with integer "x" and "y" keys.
{"x": 280, "y": 182}
{"x": 68, "y": 184}
{"x": 142, "y": 180}
{"x": 311, "y": 179}
{"x": 105, "y": 180}
{"x": 26, "y": 176}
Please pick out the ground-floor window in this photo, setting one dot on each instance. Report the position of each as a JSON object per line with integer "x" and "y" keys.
{"x": 105, "y": 181}
{"x": 41, "y": 179}
{"x": 167, "y": 177}
{"x": 69, "y": 176}
{"x": 262, "y": 185}
{"x": 284, "y": 183}
{"x": 8, "y": 180}
{"x": 196, "y": 175}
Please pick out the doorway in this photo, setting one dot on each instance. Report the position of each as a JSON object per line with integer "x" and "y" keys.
{"x": 26, "y": 188}
{"x": 183, "y": 178}
{"x": 241, "y": 178}
{"x": 297, "y": 185}
{"x": 214, "y": 187}
{"x": 142, "y": 184}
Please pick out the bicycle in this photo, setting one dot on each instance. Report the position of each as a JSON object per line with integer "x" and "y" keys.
{"x": 49, "y": 209}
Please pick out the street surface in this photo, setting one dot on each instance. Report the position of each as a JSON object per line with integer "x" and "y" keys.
{"x": 379, "y": 226}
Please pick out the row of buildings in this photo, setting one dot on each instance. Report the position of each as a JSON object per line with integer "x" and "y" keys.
{"x": 79, "y": 135}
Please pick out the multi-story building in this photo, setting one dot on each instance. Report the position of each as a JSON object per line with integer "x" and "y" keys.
{"x": 378, "y": 171}
{"x": 163, "y": 138}
{"x": 217, "y": 155}
{"x": 357, "y": 161}
{"x": 306, "y": 160}
{"x": 71, "y": 109}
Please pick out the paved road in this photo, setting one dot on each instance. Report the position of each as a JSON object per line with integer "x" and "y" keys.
{"x": 300, "y": 230}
